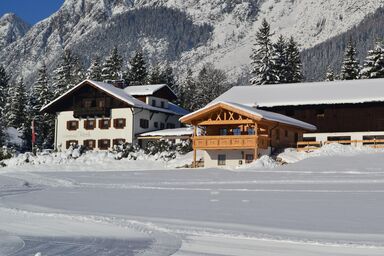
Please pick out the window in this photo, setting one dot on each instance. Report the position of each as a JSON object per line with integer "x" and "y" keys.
{"x": 154, "y": 103}
{"x": 104, "y": 144}
{"x": 156, "y": 124}
{"x": 89, "y": 103}
{"x": 248, "y": 158}
{"x": 118, "y": 142}
{"x": 100, "y": 103}
{"x": 320, "y": 113}
{"x": 162, "y": 104}
{"x": 296, "y": 137}
{"x": 144, "y": 123}
{"x": 237, "y": 131}
{"x": 223, "y": 131}
{"x": 72, "y": 125}
{"x": 104, "y": 124}
{"x": 90, "y": 144}
{"x": 277, "y": 134}
{"x": 286, "y": 133}
{"x": 221, "y": 160}
{"x": 162, "y": 126}
{"x": 89, "y": 124}
{"x": 119, "y": 123}
{"x": 170, "y": 126}
{"x": 251, "y": 131}
{"x": 71, "y": 143}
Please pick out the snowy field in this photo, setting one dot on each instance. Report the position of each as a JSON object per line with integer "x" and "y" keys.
{"x": 328, "y": 204}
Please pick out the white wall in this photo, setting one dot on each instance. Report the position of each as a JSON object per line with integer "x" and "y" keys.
{"x": 158, "y": 101}
{"x": 323, "y": 137}
{"x": 129, "y": 133}
{"x": 63, "y": 134}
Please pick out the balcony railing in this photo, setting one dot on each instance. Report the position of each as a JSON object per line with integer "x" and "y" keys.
{"x": 230, "y": 142}
{"x": 91, "y": 112}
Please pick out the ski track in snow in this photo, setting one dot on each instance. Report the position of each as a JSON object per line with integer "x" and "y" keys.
{"x": 187, "y": 213}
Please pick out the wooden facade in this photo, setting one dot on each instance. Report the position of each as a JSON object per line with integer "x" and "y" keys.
{"x": 338, "y": 117}
{"x": 224, "y": 127}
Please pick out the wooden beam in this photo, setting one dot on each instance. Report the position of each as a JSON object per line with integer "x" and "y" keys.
{"x": 227, "y": 122}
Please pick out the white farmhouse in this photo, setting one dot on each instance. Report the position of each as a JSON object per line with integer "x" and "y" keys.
{"x": 99, "y": 115}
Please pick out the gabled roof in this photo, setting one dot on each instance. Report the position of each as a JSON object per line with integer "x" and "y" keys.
{"x": 149, "y": 90}
{"x": 336, "y": 92}
{"x": 119, "y": 94}
{"x": 254, "y": 113}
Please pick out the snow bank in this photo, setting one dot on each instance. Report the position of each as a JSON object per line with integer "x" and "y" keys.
{"x": 292, "y": 156}
{"x": 264, "y": 162}
{"x": 72, "y": 160}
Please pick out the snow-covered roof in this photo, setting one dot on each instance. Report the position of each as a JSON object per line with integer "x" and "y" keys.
{"x": 123, "y": 96}
{"x": 144, "y": 90}
{"x": 186, "y": 131}
{"x": 336, "y": 92}
{"x": 262, "y": 114}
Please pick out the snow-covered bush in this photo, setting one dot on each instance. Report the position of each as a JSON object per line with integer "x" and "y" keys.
{"x": 5, "y": 153}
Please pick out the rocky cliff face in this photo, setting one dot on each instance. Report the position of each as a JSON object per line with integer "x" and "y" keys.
{"x": 12, "y": 28}
{"x": 94, "y": 26}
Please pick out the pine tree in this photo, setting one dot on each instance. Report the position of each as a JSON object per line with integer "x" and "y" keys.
{"x": 111, "y": 70}
{"x": 350, "y": 67}
{"x": 44, "y": 123}
{"x": 294, "y": 65}
{"x": 263, "y": 65}
{"x": 156, "y": 76}
{"x": 68, "y": 73}
{"x": 17, "y": 103}
{"x": 330, "y": 74}
{"x": 4, "y": 79}
{"x": 137, "y": 73}
{"x": 169, "y": 79}
{"x": 280, "y": 59}
{"x": 188, "y": 90}
{"x": 211, "y": 83}
{"x": 94, "y": 72}
{"x": 374, "y": 63}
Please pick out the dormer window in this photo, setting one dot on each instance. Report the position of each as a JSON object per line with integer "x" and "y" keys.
{"x": 162, "y": 104}
{"x": 154, "y": 103}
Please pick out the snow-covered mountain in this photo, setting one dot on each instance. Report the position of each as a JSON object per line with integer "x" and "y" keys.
{"x": 12, "y": 28}
{"x": 94, "y": 26}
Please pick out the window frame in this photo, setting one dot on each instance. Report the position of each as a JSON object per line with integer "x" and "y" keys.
{"x": 102, "y": 126}
{"x": 69, "y": 142}
{"x": 72, "y": 128}
{"x": 86, "y": 124}
{"x": 102, "y": 146}
{"x": 144, "y": 123}
{"x": 116, "y": 123}
{"x": 221, "y": 160}
{"x": 86, "y": 144}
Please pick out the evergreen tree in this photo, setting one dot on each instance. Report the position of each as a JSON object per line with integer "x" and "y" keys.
{"x": 17, "y": 102}
{"x": 4, "y": 79}
{"x": 294, "y": 65}
{"x": 137, "y": 73}
{"x": 169, "y": 79}
{"x": 280, "y": 59}
{"x": 112, "y": 66}
{"x": 263, "y": 64}
{"x": 350, "y": 66}
{"x": 188, "y": 90}
{"x": 374, "y": 63}
{"x": 330, "y": 75}
{"x": 156, "y": 76}
{"x": 68, "y": 73}
{"x": 2, "y": 133}
{"x": 94, "y": 72}
{"x": 44, "y": 123}
{"x": 211, "y": 83}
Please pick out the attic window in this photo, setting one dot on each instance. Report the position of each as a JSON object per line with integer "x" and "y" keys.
{"x": 320, "y": 113}
{"x": 154, "y": 103}
{"x": 162, "y": 104}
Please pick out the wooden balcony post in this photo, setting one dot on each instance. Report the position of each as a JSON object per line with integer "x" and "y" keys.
{"x": 194, "y": 148}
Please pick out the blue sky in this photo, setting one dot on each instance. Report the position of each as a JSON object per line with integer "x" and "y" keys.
{"x": 31, "y": 11}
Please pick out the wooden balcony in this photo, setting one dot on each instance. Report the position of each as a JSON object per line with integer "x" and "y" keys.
{"x": 91, "y": 112}
{"x": 230, "y": 142}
